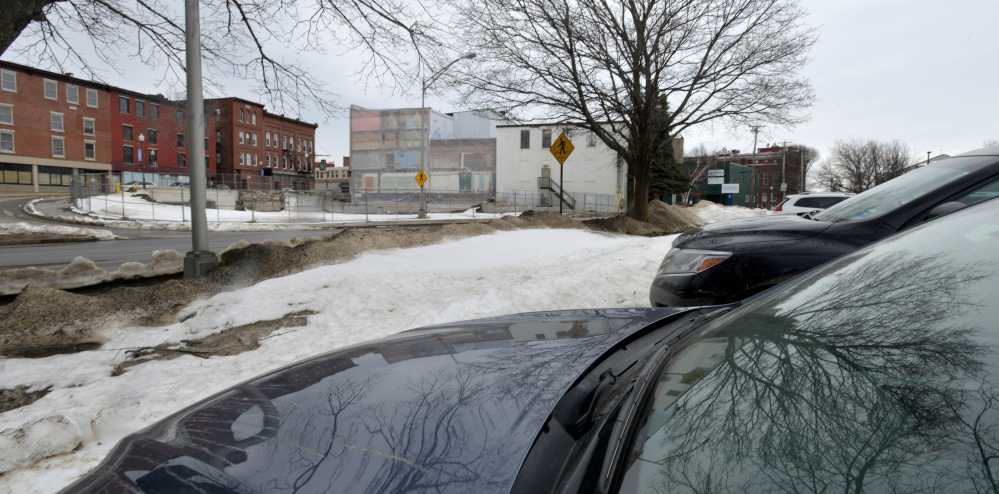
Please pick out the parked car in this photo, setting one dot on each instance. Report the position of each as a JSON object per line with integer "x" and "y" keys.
{"x": 732, "y": 260}
{"x": 137, "y": 184}
{"x": 219, "y": 186}
{"x": 180, "y": 184}
{"x": 877, "y": 372}
{"x": 807, "y": 202}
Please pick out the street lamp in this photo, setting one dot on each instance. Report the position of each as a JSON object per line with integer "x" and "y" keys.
{"x": 424, "y": 163}
{"x": 142, "y": 141}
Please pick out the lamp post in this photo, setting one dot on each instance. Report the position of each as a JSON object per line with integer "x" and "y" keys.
{"x": 425, "y": 162}
{"x": 142, "y": 142}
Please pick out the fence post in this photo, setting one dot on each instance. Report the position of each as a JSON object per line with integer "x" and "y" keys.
{"x": 365, "y": 206}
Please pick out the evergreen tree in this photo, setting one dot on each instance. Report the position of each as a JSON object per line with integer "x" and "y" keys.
{"x": 666, "y": 175}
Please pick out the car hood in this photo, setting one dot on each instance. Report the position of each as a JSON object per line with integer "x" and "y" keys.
{"x": 750, "y": 230}
{"x": 450, "y": 408}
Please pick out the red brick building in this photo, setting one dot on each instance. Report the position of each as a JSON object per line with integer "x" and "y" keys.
{"x": 260, "y": 150}
{"x": 775, "y": 165}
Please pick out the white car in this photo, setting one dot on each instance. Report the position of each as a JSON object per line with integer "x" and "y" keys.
{"x": 810, "y": 201}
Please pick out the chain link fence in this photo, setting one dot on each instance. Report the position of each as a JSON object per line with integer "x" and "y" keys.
{"x": 169, "y": 198}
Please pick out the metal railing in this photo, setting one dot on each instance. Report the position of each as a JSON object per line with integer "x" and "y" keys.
{"x": 165, "y": 202}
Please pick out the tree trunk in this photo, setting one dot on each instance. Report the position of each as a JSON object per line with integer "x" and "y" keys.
{"x": 641, "y": 210}
{"x": 15, "y": 17}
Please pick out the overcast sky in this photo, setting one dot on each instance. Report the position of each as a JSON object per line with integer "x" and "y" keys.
{"x": 921, "y": 71}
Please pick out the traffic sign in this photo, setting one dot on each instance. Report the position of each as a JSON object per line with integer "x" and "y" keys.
{"x": 421, "y": 178}
{"x": 562, "y": 148}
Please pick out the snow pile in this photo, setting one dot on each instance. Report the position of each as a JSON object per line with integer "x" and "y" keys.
{"x": 22, "y": 228}
{"x": 710, "y": 212}
{"x": 83, "y": 272}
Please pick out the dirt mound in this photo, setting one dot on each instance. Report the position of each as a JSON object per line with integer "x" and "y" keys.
{"x": 548, "y": 219}
{"x": 672, "y": 219}
{"x": 624, "y": 224}
{"x": 42, "y": 316}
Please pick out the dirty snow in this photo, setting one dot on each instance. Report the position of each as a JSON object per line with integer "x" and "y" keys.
{"x": 23, "y": 228}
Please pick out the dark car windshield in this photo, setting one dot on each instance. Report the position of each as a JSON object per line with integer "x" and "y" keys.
{"x": 890, "y": 195}
{"x": 876, "y": 373}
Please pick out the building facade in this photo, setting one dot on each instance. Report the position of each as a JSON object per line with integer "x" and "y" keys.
{"x": 260, "y": 150}
{"x": 780, "y": 171}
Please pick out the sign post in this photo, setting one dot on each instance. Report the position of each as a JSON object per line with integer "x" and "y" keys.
{"x": 421, "y": 178}
{"x": 561, "y": 150}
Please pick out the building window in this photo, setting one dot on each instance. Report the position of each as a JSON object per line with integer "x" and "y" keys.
{"x": 126, "y": 132}
{"x": 310, "y": 146}
{"x": 72, "y": 94}
{"x": 151, "y": 133}
{"x": 51, "y": 90}
{"x": 152, "y": 157}
{"x": 525, "y": 139}
{"x": 218, "y": 158}
{"x": 92, "y": 98}
{"x": 284, "y": 162}
{"x": 284, "y": 141}
{"x": 56, "y": 119}
{"x": 254, "y": 118}
{"x": 140, "y": 108}
{"x": 6, "y": 114}
{"x": 154, "y": 112}
{"x": 267, "y": 158}
{"x": 240, "y": 114}
{"x": 181, "y": 160}
{"x": 241, "y": 140}
{"x": 254, "y": 160}
{"x": 254, "y": 139}
{"x": 180, "y": 141}
{"x": 180, "y": 117}
{"x": 766, "y": 179}
{"x": 591, "y": 140}
{"x": 6, "y": 141}
{"x": 89, "y": 150}
{"x": 8, "y": 80}
{"x": 122, "y": 104}
{"x": 546, "y": 138}
{"x": 267, "y": 139}
{"x": 218, "y": 137}
{"x": 241, "y": 157}
{"x": 206, "y": 145}
{"x": 128, "y": 156}
{"x": 299, "y": 144}
{"x": 88, "y": 127}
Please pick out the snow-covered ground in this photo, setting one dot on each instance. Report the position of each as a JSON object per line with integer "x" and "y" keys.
{"x": 22, "y": 228}
{"x": 47, "y": 444}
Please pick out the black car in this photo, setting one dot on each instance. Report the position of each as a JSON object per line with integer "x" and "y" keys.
{"x": 878, "y": 372}
{"x": 732, "y": 260}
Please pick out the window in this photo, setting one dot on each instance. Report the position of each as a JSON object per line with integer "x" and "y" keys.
{"x": 152, "y": 157}
{"x": 763, "y": 197}
{"x": 241, "y": 157}
{"x": 206, "y": 145}
{"x": 310, "y": 146}
{"x": 154, "y": 112}
{"x": 299, "y": 144}
{"x": 122, "y": 104}
{"x": 6, "y": 141}
{"x": 591, "y": 140}
{"x": 89, "y": 150}
{"x": 6, "y": 114}
{"x": 267, "y": 138}
{"x": 525, "y": 139}
{"x": 254, "y": 139}
{"x": 126, "y": 132}
{"x": 8, "y": 80}
{"x": 180, "y": 117}
{"x": 766, "y": 179}
{"x": 128, "y": 156}
{"x": 254, "y": 118}
{"x": 546, "y": 139}
{"x": 240, "y": 114}
{"x": 151, "y": 134}
{"x": 218, "y": 158}
{"x": 181, "y": 160}
{"x": 88, "y": 126}
{"x": 58, "y": 147}
{"x": 267, "y": 158}
{"x": 51, "y": 90}
{"x": 92, "y": 98}
{"x": 180, "y": 141}
{"x": 284, "y": 162}
{"x": 241, "y": 139}
{"x": 207, "y": 163}
{"x": 57, "y": 124}
{"x": 284, "y": 143}
{"x": 254, "y": 159}
{"x": 218, "y": 137}
{"x": 72, "y": 94}
{"x": 140, "y": 108}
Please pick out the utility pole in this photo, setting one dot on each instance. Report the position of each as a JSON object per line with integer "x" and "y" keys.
{"x": 752, "y": 180}
{"x": 783, "y": 170}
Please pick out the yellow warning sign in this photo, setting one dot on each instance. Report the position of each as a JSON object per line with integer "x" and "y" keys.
{"x": 562, "y": 148}
{"x": 421, "y": 178}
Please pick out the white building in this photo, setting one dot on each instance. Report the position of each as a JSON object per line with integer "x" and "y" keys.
{"x": 593, "y": 177}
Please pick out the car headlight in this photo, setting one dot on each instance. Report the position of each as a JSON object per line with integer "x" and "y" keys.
{"x": 690, "y": 261}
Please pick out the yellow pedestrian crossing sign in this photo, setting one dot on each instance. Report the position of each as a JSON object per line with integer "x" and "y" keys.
{"x": 421, "y": 178}
{"x": 562, "y": 148}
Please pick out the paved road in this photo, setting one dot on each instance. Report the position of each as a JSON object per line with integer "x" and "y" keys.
{"x": 138, "y": 245}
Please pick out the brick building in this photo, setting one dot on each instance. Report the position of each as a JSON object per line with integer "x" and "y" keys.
{"x": 260, "y": 150}
{"x": 773, "y": 165}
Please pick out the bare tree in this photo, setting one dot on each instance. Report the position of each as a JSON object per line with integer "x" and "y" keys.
{"x": 857, "y": 165}
{"x": 241, "y": 38}
{"x": 607, "y": 66}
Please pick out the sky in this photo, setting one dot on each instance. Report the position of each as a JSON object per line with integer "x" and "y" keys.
{"x": 391, "y": 291}
{"x": 920, "y": 71}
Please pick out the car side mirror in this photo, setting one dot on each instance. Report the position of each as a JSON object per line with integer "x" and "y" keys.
{"x": 944, "y": 208}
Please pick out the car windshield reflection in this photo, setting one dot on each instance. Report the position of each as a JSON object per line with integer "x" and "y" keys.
{"x": 877, "y": 373}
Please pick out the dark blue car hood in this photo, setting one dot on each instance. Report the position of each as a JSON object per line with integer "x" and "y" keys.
{"x": 749, "y": 230}
{"x": 446, "y": 409}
